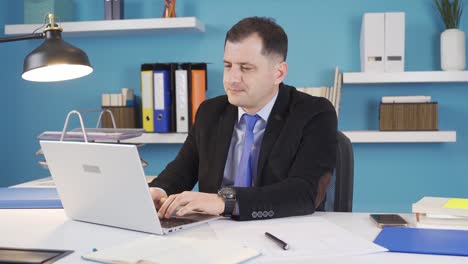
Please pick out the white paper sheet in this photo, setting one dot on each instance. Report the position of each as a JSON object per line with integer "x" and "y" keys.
{"x": 307, "y": 237}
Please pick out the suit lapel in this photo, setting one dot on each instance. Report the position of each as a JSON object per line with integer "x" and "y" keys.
{"x": 273, "y": 129}
{"x": 223, "y": 141}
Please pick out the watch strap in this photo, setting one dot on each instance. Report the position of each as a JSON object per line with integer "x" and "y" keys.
{"x": 229, "y": 204}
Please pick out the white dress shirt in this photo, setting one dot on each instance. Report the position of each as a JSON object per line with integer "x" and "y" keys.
{"x": 237, "y": 143}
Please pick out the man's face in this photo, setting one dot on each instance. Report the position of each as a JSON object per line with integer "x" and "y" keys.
{"x": 251, "y": 79}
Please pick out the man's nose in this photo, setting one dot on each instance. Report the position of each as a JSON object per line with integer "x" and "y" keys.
{"x": 234, "y": 75}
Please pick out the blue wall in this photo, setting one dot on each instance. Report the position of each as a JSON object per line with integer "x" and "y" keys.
{"x": 322, "y": 34}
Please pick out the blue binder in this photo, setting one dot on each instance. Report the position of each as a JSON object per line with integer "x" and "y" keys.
{"x": 29, "y": 198}
{"x": 162, "y": 101}
{"x": 424, "y": 240}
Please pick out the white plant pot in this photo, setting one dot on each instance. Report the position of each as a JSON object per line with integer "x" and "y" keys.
{"x": 452, "y": 50}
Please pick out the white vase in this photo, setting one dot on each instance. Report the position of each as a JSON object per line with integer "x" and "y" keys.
{"x": 452, "y": 50}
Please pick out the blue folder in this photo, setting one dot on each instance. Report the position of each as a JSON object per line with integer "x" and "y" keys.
{"x": 424, "y": 240}
{"x": 162, "y": 116}
{"x": 29, "y": 198}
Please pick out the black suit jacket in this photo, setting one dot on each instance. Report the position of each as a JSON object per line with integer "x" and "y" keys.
{"x": 299, "y": 146}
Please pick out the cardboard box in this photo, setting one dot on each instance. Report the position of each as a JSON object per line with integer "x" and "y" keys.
{"x": 124, "y": 116}
{"x": 408, "y": 116}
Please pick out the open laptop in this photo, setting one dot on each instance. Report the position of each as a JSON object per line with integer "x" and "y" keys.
{"x": 105, "y": 184}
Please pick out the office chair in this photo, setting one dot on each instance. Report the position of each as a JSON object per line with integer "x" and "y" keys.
{"x": 339, "y": 195}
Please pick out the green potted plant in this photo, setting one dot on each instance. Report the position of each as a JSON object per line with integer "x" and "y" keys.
{"x": 452, "y": 40}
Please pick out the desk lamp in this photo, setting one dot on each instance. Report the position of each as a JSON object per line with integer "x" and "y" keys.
{"x": 54, "y": 60}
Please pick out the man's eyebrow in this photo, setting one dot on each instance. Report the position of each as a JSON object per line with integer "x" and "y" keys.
{"x": 240, "y": 63}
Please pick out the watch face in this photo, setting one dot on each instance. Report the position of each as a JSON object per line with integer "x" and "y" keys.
{"x": 228, "y": 192}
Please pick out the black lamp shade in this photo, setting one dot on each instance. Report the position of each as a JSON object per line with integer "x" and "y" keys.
{"x": 55, "y": 60}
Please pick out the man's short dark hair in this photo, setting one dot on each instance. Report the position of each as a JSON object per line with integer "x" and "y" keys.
{"x": 273, "y": 36}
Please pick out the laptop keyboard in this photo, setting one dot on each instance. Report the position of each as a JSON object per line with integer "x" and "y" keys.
{"x": 172, "y": 222}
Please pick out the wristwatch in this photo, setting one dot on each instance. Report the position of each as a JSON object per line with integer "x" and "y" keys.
{"x": 229, "y": 196}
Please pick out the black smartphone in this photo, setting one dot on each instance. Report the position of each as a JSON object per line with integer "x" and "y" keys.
{"x": 388, "y": 220}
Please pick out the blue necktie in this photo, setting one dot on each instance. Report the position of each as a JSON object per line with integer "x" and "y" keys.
{"x": 244, "y": 174}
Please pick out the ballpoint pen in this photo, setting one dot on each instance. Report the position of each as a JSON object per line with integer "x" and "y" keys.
{"x": 278, "y": 241}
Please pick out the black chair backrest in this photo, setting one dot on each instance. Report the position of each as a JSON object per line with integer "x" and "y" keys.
{"x": 339, "y": 196}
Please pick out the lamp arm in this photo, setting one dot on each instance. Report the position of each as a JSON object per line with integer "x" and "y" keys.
{"x": 23, "y": 37}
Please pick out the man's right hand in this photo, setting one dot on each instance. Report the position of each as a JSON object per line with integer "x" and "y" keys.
{"x": 158, "y": 195}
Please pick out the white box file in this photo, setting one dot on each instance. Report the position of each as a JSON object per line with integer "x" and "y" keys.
{"x": 394, "y": 59}
{"x": 373, "y": 42}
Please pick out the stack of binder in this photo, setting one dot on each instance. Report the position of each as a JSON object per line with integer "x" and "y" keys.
{"x": 441, "y": 212}
{"x": 171, "y": 94}
{"x": 408, "y": 116}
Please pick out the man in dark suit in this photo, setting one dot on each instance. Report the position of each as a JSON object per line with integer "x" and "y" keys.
{"x": 263, "y": 151}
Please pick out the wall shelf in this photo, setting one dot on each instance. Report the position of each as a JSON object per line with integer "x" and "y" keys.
{"x": 354, "y": 136}
{"x": 115, "y": 27}
{"x": 401, "y": 136}
{"x": 404, "y": 77}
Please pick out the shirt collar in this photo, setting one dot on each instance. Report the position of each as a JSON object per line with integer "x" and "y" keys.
{"x": 264, "y": 113}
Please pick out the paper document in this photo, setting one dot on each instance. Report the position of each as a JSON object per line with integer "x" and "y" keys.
{"x": 157, "y": 249}
{"x": 29, "y": 198}
{"x": 39, "y": 183}
{"x": 424, "y": 241}
{"x": 307, "y": 237}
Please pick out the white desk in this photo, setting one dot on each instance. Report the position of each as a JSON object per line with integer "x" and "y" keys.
{"x": 50, "y": 228}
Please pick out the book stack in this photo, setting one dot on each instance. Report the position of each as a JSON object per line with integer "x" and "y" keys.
{"x": 443, "y": 213}
{"x": 408, "y": 113}
{"x": 171, "y": 94}
{"x": 122, "y": 107}
{"x": 332, "y": 93}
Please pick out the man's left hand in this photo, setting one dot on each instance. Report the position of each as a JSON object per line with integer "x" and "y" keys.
{"x": 191, "y": 202}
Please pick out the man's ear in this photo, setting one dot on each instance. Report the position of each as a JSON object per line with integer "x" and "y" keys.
{"x": 281, "y": 69}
